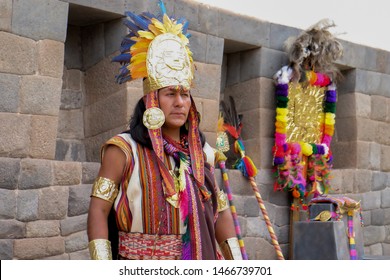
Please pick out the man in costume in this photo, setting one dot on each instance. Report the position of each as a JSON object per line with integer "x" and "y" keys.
{"x": 158, "y": 176}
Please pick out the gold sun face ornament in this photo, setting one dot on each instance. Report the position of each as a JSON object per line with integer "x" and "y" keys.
{"x": 305, "y": 113}
{"x": 168, "y": 63}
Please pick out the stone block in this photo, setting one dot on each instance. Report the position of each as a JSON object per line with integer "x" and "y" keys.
{"x": 92, "y": 44}
{"x": 271, "y": 61}
{"x": 385, "y": 158}
{"x": 15, "y": 135}
{"x": 382, "y": 133}
{"x": 35, "y": 174}
{"x": 320, "y": 241}
{"x": 347, "y": 130}
{"x": 73, "y": 79}
{"x": 66, "y": 173}
{"x": 242, "y": 28}
{"x": 354, "y": 57}
{"x": 260, "y": 151}
{"x": 79, "y": 197}
{"x": 363, "y": 105}
{"x": 344, "y": 154}
{"x": 5, "y": 18}
{"x": 73, "y": 224}
{"x": 9, "y": 173}
{"x": 51, "y": 58}
{"x": 100, "y": 82}
{"x": 362, "y": 181}
{"x": 53, "y": 203}
{"x": 8, "y": 204}
{"x": 379, "y": 108}
{"x": 114, "y": 31}
{"x": 373, "y": 234}
{"x": 41, "y": 19}
{"x": 380, "y": 181}
{"x": 7, "y": 249}
{"x": 279, "y": 34}
{"x": 214, "y": 50}
{"x": 27, "y": 203}
{"x": 250, "y": 64}
{"x": 89, "y": 172}
{"x": 207, "y": 19}
{"x": 371, "y": 200}
{"x": 385, "y": 198}
{"x": 233, "y": 72}
{"x": 348, "y": 85}
{"x": 71, "y": 124}
{"x": 209, "y": 111}
{"x": 42, "y": 229}
{"x": 70, "y": 150}
{"x": 377, "y": 217}
{"x": 374, "y": 156}
{"x": 76, "y": 242}
{"x": 346, "y": 106}
{"x": 73, "y": 54}
{"x": 105, "y": 117}
{"x": 384, "y": 86}
{"x": 111, "y": 6}
{"x": 71, "y": 99}
{"x": 259, "y": 249}
{"x": 12, "y": 229}
{"x": 21, "y": 60}
{"x": 38, "y": 248}
{"x": 9, "y": 88}
{"x": 207, "y": 82}
{"x": 40, "y": 95}
{"x": 198, "y": 41}
{"x": 80, "y": 255}
{"x": 43, "y": 136}
{"x": 363, "y": 155}
{"x": 256, "y": 227}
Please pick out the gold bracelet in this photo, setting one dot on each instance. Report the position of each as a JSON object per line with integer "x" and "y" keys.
{"x": 100, "y": 249}
{"x": 222, "y": 200}
{"x": 105, "y": 189}
{"x": 231, "y": 249}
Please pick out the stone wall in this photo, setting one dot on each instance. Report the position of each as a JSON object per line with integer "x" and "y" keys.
{"x": 60, "y": 103}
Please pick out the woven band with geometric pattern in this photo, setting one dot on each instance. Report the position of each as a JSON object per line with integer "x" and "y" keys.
{"x": 141, "y": 246}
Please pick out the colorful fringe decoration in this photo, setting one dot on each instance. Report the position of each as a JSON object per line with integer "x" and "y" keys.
{"x": 288, "y": 156}
{"x": 220, "y": 159}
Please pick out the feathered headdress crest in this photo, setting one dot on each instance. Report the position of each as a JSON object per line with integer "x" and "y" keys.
{"x": 314, "y": 49}
{"x": 142, "y": 57}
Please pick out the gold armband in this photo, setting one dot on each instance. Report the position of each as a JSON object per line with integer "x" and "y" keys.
{"x": 100, "y": 249}
{"x": 222, "y": 200}
{"x": 231, "y": 249}
{"x": 105, "y": 189}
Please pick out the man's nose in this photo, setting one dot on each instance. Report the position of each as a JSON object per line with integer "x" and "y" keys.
{"x": 179, "y": 101}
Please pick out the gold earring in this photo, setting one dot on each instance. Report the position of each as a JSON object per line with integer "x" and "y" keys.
{"x": 153, "y": 118}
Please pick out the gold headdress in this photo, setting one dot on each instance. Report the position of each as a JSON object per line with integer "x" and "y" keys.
{"x": 156, "y": 49}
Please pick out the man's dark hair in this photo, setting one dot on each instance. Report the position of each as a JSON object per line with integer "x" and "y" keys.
{"x": 139, "y": 132}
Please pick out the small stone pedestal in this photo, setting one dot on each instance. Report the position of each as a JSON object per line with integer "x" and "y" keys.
{"x": 316, "y": 240}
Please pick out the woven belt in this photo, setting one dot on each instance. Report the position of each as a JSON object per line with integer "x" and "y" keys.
{"x": 141, "y": 246}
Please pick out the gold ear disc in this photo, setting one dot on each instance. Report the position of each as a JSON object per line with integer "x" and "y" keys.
{"x": 153, "y": 118}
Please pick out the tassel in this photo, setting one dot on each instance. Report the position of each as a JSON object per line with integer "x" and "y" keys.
{"x": 186, "y": 251}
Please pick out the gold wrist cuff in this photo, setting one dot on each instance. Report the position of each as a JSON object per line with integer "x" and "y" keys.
{"x": 222, "y": 200}
{"x": 230, "y": 249}
{"x": 100, "y": 249}
{"x": 105, "y": 189}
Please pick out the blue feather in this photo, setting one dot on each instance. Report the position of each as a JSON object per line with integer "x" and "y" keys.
{"x": 134, "y": 28}
{"x": 139, "y": 21}
{"x": 162, "y": 6}
{"x": 126, "y": 48}
{"x": 124, "y": 57}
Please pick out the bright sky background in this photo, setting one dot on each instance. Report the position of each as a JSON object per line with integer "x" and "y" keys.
{"x": 365, "y": 22}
